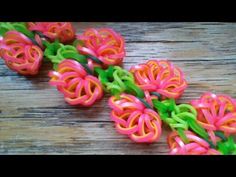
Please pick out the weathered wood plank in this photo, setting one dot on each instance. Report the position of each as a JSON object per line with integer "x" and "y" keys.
{"x": 69, "y": 136}
{"x": 34, "y": 117}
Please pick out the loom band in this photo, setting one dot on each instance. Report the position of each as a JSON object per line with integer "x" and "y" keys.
{"x": 153, "y": 115}
{"x": 171, "y": 139}
{"x": 172, "y": 88}
{"x": 113, "y": 89}
{"x": 149, "y": 98}
{"x": 181, "y": 132}
{"x": 177, "y": 125}
{"x": 72, "y": 83}
{"x": 227, "y": 129}
{"x": 138, "y": 68}
{"x": 129, "y": 127}
{"x": 126, "y": 130}
{"x": 68, "y": 75}
{"x": 29, "y": 50}
{"x": 16, "y": 37}
{"x": 66, "y": 91}
{"x": 22, "y": 66}
{"x": 200, "y": 141}
{"x": 157, "y": 133}
{"x": 231, "y": 104}
{"x": 182, "y": 148}
{"x": 102, "y": 75}
{"x": 66, "y": 32}
{"x": 213, "y": 152}
{"x": 111, "y": 32}
{"x": 119, "y": 119}
{"x": 106, "y": 60}
{"x": 148, "y": 123}
{"x": 182, "y": 117}
{"x": 112, "y": 54}
{"x": 131, "y": 98}
{"x": 13, "y": 59}
{"x": 226, "y": 119}
{"x": 77, "y": 100}
{"x": 92, "y": 98}
{"x": 208, "y": 117}
{"x": 199, "y": 151}
{"x": 189, "y": 108}
{"x": 194, "y": 147}
{"x": 159, "y": 106}
{"x": 22, "y": 28}
{"x": 148, "y": 87}
{"x": 147, "y": 138}
{"x": 69, "y": 64}
{"x": 4, "y": 27}
{"x": 139, "y": 78}
{"x": 122, "y": 72}
{"x": 168, "y": 94}
{"x": 213, "y": 110}
{"x": 131, "y": 88}
{"x": 131, "y": 105}
{"x": 91, "y": 32}
{"x": 222, "y": 110}
{"x": 70, "y": 54}
{"x": 117, "y": 79}
{"x": 86, "y": 51}
{"x": 198, "y": 129}
{"x": 113, "y": 105}
{"x": 207, "y": 96}
{"x": 133, "y": 118}
{"x": 92, "y": 80}
{"x": 80, "y": 88}
{"x": 206, "y": 125}
{"x": 57, "y": 83}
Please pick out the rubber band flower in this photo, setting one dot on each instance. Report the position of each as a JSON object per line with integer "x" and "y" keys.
{"x": 161, "y": 77}
{"x": 78, "y": 87}
{"x": 64, "y": 31}
{"x": 132, "y": 118}
{"x": 216, "y": 113}
{"x": 194, "y": 146}
{"x": 20, "y": 54}
{"x": 104, "y": 44}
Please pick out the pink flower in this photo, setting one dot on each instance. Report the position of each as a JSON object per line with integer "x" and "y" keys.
{"x": 63, "y": 31}
{"x": 195, "y": 146}
{"x": 132, "y": 118}
{"x": 160, "y": 76}
{"x": 20, "y": 54}
{"x": 78, "y": 87}
{"x": 104, "y": 44}
{"x": 216, "y": 113}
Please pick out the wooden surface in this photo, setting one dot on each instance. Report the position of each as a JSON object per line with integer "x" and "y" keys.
{"x": 34, "y": 119}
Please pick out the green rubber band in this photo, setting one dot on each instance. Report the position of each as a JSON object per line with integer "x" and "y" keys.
{"x": 182, "y": 135}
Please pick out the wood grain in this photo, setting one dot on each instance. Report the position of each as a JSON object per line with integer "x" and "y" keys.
{"x": 34, "y": 118}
